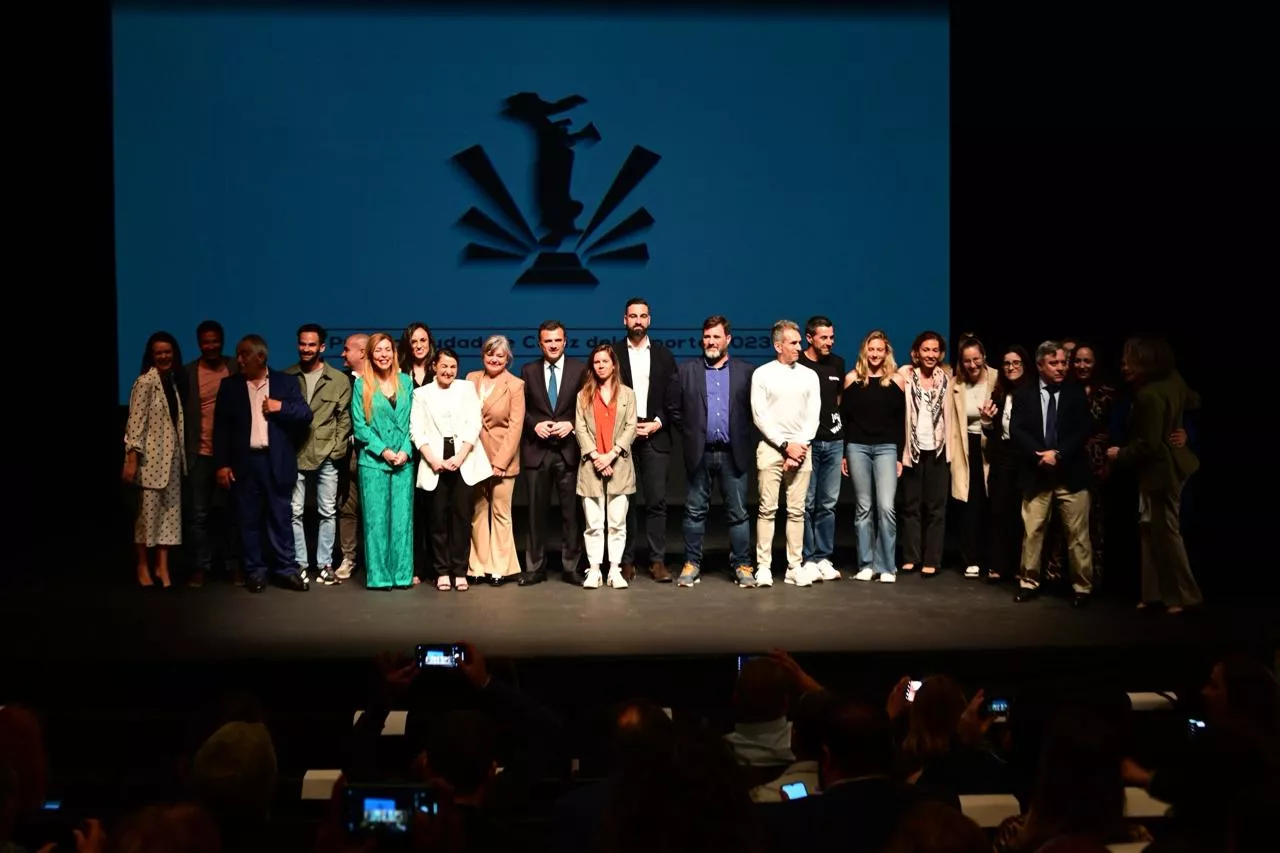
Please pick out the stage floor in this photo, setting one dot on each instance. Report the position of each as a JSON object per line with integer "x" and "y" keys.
{"x": 99, "y": 618}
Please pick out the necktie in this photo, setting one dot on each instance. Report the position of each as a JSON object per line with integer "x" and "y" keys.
{"x": 552, "y": 390}
{"x": 1051, "y": 419}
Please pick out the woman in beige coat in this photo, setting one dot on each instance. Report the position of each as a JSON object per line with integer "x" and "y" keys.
{"x": 971, "y": 410}
{"x": 605, "y": 425}
{"x": 154, "y": 459}
{"x": 493, "y": 544}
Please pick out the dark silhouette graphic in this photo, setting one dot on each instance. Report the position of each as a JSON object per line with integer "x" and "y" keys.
{"x": 553, "y": 171}
{"x": 558, "y": 211}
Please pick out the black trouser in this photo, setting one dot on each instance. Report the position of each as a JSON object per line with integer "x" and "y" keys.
{"x": 1005, "y": 497}
{"x": 554, "y": 471}
{"x": 213, "y": 529}
{"x": 450, "y": 520}
{"x": 651, "y": 474}
{"x": 975, "y": 520}
{"x": 924, "y": 489}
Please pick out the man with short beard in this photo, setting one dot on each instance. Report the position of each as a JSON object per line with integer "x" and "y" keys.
{"x": 328, "y": 393}
{"x": 648, "y": 368}
{"x": 713, "y": 411}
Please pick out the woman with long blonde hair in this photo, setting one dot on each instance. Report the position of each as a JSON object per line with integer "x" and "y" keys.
{"x": 605, "y": 425}
{"x": 873, "y": 411}
{"x": 380, "y": 420}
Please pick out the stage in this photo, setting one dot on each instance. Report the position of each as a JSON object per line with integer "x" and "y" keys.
{"x": 108, "y": 618}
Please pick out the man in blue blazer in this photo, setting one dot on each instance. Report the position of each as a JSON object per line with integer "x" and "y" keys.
{"x": 258, "y": 421}
{"x": 714, "y": 414}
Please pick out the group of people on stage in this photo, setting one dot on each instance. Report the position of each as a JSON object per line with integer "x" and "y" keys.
{"x": 408, "y": 458}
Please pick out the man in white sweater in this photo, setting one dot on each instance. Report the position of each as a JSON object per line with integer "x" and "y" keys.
{"x": 786, "y": 405}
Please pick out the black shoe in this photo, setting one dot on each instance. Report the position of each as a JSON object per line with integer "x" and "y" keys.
{"x": 1025, "y": 595}
{"x": 1080, "y": 600}
{"x": 530, "y": 578}
{"x": 255, "y": 584}
{"x": 496, "y": 580}
{"x": 297, "y": 583}
{"x": 327, "y": 577}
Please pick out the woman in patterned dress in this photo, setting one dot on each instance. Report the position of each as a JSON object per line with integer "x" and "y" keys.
{"x": 154, "y": 459}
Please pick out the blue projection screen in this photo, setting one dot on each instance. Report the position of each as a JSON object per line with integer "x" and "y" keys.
{"x": 486, "y": 170}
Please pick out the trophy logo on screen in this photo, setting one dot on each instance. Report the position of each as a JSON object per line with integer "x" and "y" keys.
{"x": 558, "y": 210}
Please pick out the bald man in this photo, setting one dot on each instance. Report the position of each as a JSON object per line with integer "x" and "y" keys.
{"x": 353, "y": 353}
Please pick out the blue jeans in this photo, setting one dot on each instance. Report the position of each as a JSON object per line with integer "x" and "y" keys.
{"x": 874, "y": 470}
{"x": 717, "y": 465}
{"x": 820, "y": 503}
{"x": 326, "y": 480}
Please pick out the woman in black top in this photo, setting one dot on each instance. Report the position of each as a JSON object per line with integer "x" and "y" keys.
{"x": 1002, "y": 480}
{"x": 873, "y": 411}
{"x": 417, "y": 354}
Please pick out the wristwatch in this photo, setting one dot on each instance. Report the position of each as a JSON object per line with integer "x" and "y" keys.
{"x": 783, "y": 447}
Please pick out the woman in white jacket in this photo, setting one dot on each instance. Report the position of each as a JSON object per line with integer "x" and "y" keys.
{"x": 445, "y": 427}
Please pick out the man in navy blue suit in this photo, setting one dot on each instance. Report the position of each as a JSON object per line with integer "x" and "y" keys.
{"x": 259, "y": 418}
{"x": 714, "y": 413}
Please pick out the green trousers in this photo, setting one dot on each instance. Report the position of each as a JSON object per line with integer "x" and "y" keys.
{"x": 386, "y": 500}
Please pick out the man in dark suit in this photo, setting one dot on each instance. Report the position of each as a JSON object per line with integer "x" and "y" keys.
{"x": 1049, "y": 427}
{"x": 649, "y": 369}
{"x": 713, "y": 411}
{"x": 211, "y": 529}
{"x": 259, "y": 421}
{"x": 549, "y": 452}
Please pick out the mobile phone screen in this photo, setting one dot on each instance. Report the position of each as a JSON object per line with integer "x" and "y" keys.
{"x": 912, "y": 687}
{"x": 795, "y": 791}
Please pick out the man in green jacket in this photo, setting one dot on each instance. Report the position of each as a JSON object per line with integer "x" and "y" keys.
{"x": 328, "y": 392}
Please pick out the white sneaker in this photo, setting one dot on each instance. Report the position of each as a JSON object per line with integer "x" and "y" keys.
{"x": 616, "y": 580}
{"x": 344, "y": 571}
{"x": 972, "y": 571}
{"x": 865, "y": 575}
{"x": 801, "y": 575}
{"x": 827, "y": 571}
{"x": 886, "y": 577}
{"x": 764, "y": 577}
{"x": 593, "y": 580}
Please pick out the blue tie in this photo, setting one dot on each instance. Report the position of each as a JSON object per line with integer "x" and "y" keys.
{"x": 1051, "y": 419}
{"x": 552, "y": 391}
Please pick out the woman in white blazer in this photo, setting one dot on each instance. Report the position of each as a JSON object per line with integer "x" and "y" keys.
{"x": 154, "y": 459}
{"x": 444, "y": 425}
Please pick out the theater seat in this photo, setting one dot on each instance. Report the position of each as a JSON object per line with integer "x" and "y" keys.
{"x": 1139, "y": 803}
{"x": 394, "y": 725}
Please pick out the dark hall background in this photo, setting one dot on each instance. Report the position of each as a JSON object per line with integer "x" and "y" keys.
{"x": 1113, "y": 173}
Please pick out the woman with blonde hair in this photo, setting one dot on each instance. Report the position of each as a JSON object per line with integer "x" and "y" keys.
{"x": 493, "y": 544}
{"x": 873, "y": 411}
{"x": 383, "y": 398}
{"x": 605, "y": 425}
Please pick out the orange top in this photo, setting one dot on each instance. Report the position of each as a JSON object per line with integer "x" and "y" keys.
{"x": 605, "y": 414}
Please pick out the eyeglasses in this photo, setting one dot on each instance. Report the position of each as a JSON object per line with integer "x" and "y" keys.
{"x": 1013, "y": 364}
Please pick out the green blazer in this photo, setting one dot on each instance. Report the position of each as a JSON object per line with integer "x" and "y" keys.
{"x": 389, "y": 426}
{"x": 1158, "y": 409}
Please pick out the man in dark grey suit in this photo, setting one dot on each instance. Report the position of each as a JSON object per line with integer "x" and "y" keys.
{"x": 549, "y": 452}
{"x": 648, "y": 368}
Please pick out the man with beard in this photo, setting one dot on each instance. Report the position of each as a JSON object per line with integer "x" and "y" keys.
{"x": 649, "y": 369}
{"x": 826, "y": 451}
{"x": 713, "y": 410}
{"x": 328, "y": 393}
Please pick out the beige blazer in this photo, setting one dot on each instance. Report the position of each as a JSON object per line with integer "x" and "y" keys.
{"x": 959, "y": 433}
{"x": 501, "y": 419}
{"x": 623, "y": 481}
{"x": 426, "y": 428}
{"x": 151, "y": 432}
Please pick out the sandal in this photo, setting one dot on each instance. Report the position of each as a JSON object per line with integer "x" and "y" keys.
{"x": 444, "y": 583}
{"x": 461, "y": 585}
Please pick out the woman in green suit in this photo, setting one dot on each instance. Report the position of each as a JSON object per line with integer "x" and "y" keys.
{"x": 1160, "y": 400}
{"x": 383, "y": 398}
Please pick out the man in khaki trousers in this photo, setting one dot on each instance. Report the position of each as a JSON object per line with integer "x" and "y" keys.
{"x": 1049, "y": 427}
{"x": 786, "y": 405}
